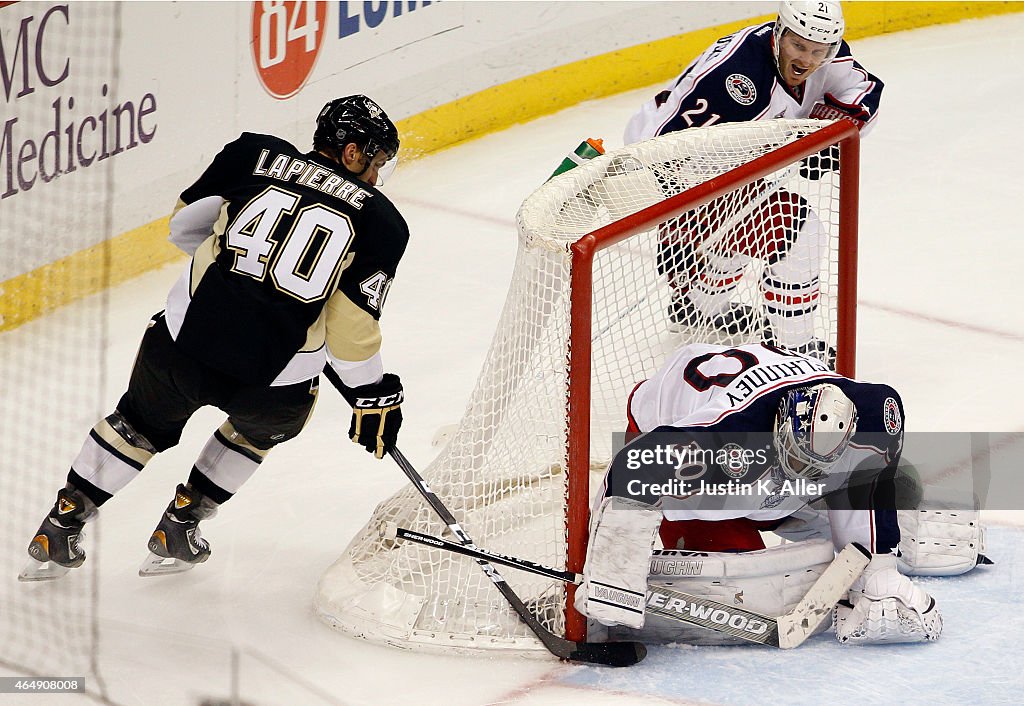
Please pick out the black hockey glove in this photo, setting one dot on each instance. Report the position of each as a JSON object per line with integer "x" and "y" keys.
{"x": 376, "y": 413}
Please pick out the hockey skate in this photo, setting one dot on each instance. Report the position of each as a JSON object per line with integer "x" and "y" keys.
{"x": 176, "y": 544}
{"x": 56, "y": 548}
{"x": 816, "y": 348}
{"x": 736, "y": 320}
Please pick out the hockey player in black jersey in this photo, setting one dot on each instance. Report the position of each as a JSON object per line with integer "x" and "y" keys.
{"x": 293, "y": 255}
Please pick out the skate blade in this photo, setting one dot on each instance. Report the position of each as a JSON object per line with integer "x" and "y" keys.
{"x": 156, "y": 565}
{"x": 37, "y": 570}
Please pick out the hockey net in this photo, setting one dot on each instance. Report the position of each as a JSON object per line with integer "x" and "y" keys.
{"x": 63, "y": 64}
{"x": 754, "y": 218}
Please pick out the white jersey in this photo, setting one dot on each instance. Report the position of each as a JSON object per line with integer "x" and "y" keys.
{"x": 702, "y": 383}
{"x": 736, "y": 80}
{"x": 718, "y": 399}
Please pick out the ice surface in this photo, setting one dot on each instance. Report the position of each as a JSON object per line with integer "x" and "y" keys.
{"x": 941, "y": 319}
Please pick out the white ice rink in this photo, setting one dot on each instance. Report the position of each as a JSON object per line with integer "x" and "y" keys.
{"x": 941, "y": 319}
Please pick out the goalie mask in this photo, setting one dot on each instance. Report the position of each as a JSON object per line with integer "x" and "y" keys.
{"x": 359, "y": 120}
{"x": 813, "y": 428}
{"x": 818, "y": 21}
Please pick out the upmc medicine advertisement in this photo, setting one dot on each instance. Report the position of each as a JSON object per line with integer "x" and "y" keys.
{"x": 129, "y": 101}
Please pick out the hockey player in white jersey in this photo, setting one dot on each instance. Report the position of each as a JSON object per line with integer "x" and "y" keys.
{"x": 729, "y": 442}
{"x": 798, "y": 66}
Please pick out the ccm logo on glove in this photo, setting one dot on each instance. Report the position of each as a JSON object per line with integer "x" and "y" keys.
{"x": 386, "y": 401}
{"x": 376, "y": 413}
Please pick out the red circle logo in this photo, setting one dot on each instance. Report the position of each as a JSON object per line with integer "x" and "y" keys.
{"x": 286, "y": 39}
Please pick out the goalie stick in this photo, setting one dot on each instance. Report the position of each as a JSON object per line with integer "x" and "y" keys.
{"x": 612, "y": 654}
{"x": 785, "y": 631}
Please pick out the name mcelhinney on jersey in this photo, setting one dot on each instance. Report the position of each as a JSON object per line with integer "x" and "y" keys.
{"x": 760, "y": 377}
{"x": 688, "y": 488}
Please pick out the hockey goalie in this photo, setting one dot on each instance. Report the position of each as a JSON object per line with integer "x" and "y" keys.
{"x": 726, "y": 443}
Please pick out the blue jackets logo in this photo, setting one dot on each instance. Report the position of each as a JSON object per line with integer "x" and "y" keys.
{"x": 741, "y": 88}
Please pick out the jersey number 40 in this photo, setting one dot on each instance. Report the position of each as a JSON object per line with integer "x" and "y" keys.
{"x": 306, "y": 260}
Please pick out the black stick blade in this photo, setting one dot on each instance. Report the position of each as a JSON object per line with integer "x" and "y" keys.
{"x": 609, "y": 654}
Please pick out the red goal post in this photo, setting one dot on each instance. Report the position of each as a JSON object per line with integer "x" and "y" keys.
{"x": 842, "y": 133}
{"x": 739, "y": 217}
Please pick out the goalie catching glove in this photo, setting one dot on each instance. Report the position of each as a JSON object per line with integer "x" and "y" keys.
{"x": 376, "y": 413}
{"x": 884, "y": 606}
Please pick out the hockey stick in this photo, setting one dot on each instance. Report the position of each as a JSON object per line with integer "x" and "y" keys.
{"x": 612, "y": 654}
{"x": 785, "y": 631}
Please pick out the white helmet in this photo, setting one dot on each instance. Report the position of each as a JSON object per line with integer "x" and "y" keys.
{"x": 813, "y": 427}
{"x": 814, "y": 20}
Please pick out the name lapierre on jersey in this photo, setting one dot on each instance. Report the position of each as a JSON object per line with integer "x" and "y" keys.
{"x": 310, "y": 174}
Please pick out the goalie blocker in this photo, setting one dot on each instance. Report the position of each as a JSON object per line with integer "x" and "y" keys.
{"x": 614, "y": 588}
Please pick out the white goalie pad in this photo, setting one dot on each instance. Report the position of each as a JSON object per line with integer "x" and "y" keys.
{"x": 942, "y": 537}
{"x": 768, "y": 581}
{"x": 940, "y": 542}
{"x": 614, "y": 589}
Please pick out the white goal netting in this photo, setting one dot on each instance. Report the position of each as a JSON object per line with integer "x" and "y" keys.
{"x": 59, "y": 86}
{"x": 757, "y": 262}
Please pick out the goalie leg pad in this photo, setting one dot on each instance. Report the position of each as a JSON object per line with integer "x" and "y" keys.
{"x": 769, "y": 581}
{"x": 940, "y": 542}
{"x": 614, "y": 588}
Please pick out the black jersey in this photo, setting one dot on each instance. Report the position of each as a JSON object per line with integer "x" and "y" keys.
{"x": 303, "y": 254}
